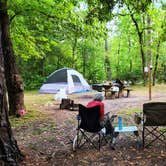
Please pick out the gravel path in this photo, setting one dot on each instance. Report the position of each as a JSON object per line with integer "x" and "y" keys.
{"x": 135, "y": 101}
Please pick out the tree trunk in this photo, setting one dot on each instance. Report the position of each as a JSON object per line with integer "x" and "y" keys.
{"x": 41, "y": 68}
{"x": 129, "y": 52}
{"x": 149, "y": 53}
{"x": 14, "y": 81}
{"x": 10, "y": 154}
{"x": 164, "y": 67}
{"x": 84, "y": 59}
{"x": 118, "y": 64}
{"x": 143, "y": 57}
{"x": 140, "y": 36}
{"x": 145, "y": 47}
{"x": 74, "y": 52}
{"x": 107, "y": 62}
{"x": 156, "y": 64}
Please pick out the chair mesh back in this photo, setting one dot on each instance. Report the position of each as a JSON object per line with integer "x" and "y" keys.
{"x": 90, "y": 118}
{"x": 155, "y": 113}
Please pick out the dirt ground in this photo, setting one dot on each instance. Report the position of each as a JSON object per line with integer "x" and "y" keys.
{"x": 48, "y": 141}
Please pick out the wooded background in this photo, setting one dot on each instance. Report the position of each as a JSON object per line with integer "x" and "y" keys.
{"x": 49, "y": 35}
{"x": 102, "y": 39}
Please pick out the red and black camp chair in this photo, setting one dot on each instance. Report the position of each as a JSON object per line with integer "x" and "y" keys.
{"x": 89, "y": 129}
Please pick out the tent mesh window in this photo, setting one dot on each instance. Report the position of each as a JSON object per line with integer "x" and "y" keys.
{"x": 59, "y": 76}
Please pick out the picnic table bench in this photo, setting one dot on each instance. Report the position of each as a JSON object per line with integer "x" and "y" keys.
{"x": 114, "y": 92}
{"x": 128, "y": 91}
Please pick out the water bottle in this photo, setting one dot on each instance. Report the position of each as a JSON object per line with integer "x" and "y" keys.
{"x": 120, "y": 124}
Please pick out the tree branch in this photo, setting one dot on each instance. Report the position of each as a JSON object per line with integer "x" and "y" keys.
{"x": 26, "y": 10}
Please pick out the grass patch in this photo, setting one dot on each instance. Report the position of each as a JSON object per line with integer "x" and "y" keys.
{"x": 30, "y": 117}
{"x": 34, "y": 103}
{"x": 129, "y": 113}
{"x": 127, "y": 116}
{"x": 34, "y": 99}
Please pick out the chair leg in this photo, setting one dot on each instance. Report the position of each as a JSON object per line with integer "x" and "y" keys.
{"x": 99, "y": 140}
{"x": 138, "y": 139}
{"x": 82, "y": 138}
{"x": 143, "y": 137}
{"x": 76, "y": 141}
{"x": 113, "y": 142}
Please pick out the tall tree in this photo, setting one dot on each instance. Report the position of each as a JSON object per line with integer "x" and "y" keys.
{"x": 103, "y": 10}
{"x": 107, "y": 61}
{"x": 129, "y": 52}
{"x": 149, "y": 53}
{"x": 13, "y": 79}
{"x": 156, "y": 62}
{"x": 118, "y": 56}
{"x": 9, "y": 151}
{"x": 141, "y": 42}
{"x": 159, "y": 39}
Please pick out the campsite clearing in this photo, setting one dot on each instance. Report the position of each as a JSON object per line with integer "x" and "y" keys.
{"x": 44, "y": 135}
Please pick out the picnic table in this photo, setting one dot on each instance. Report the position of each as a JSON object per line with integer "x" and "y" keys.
{"x": 97, "y": 87}
{"x": 101, "y": 88}
{"x": 112, "y": 90}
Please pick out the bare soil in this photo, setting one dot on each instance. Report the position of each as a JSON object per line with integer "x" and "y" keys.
{"x": 48, "y": 141}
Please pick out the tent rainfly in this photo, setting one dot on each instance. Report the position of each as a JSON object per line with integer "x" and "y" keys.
{"x": 65, "y": 78}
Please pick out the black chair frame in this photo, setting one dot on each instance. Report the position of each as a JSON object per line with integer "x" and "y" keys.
{"x": 89, "y": 128}
{"x": 157, "y": 136}
{"x": 154, "y": 119}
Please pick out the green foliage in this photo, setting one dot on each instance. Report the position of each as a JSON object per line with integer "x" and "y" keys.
{"x": 44, "y": 34}
{"x": 92, "y": 61}
{"x": 33, "y": 81}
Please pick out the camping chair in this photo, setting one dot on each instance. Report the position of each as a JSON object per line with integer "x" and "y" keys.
{"x": 154, "y": 123}
{"x": 89, "y": 129}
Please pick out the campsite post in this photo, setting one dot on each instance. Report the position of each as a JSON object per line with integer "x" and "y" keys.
{"x": 150, "y": 82}
{"x": 149, "y": 33}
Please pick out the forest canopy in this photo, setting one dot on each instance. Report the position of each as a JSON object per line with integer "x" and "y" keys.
{"x": 103, "y": 40}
